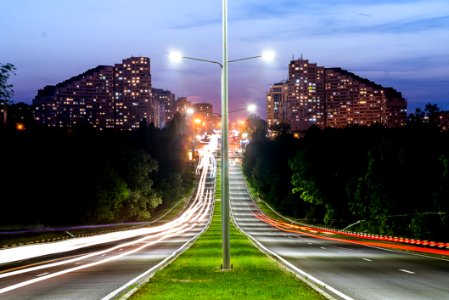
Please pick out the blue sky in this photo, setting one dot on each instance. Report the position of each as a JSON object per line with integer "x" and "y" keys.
{"x": 401, "y": 43}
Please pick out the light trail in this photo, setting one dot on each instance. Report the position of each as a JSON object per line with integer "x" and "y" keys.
{"x": 170, "y": 233}
{"x": 197, "y": 212}
{"x": 354, "y": 238}
{"x": 313, "y": 232}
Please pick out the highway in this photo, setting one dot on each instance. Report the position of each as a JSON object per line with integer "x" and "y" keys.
{"x": 105, "y": 266}
{"x": 344, "y": 270}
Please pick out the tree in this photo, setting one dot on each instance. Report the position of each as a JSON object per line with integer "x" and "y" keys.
{"x": 110, "y": 194}
{"x": 426, "y": 116}
{"x": 6, "y": 90}
{"x": 257, "y": 127}
{"x": 136, "y": 167}
{"x": 431, "y": 109}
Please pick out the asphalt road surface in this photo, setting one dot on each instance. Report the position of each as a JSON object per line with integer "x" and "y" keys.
{"x": 103, "y": 267}
{"x": 344, "y": 270}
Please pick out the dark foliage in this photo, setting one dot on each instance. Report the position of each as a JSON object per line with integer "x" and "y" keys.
{"x": 55, "y": 176}
{"x": 395, "y": 181}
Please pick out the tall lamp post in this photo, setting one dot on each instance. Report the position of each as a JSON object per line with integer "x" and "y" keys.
{"x": 177, "y": 57}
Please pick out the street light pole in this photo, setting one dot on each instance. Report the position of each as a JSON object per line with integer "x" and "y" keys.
{"x": 224, "y": 146}
{"x": 176, "y": 57}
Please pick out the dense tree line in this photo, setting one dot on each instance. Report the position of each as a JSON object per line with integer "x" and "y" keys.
{"x": 394, "y": 181}
{"x": 80, "y": 175}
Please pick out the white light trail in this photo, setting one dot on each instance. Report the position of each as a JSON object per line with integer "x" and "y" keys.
{"x": 198, "y": 211}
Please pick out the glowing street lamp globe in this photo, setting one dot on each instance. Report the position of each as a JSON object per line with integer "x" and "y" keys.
{"x": 175, "y": 57}
{"x": 268, "y": 55}
{"x": 190, "y": 111}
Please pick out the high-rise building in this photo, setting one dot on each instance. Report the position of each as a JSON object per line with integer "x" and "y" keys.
{"x": 104, "y": 97}
{"x": 332, "y": 97}
{"x": 305, "y": 99}
{"x": 164, "y": 102}
{"x": 395, "y": 110}
{"x": 86, "y": 98}
{"x": 277, "y": 104}
{"x": 351, "y": 99}
{"x": 182, "y": 104}
{"x": 132, "y": 91}
{"x": 202, "y": 107}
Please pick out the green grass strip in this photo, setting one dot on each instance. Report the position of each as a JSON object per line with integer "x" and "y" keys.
{"x": 196, "y": 273}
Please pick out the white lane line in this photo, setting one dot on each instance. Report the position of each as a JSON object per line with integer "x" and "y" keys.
{"x": 310, "y": 243}
{"x": 319, "y": 284}
{"x": 324, "y": 248}
{"x": 367, "y": 259}
{"x": 42, "y": 274}
{"x": 103, "y": 254}
{"x": 182, "y": 227}
{"x": 120, "y": 249}
{"x": 406, "y": 271}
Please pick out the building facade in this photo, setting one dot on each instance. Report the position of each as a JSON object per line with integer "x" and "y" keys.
{"x": 277, "y": 104}
{"x": 165, "y": 104}
{"x": 305, "y": 99}
{"x": 116, "y": 96}
{"x": 202, "y": 107}
{"x": 332, "y": 97}
{"x": 132, "y": 91}
{"x": 182, "y": 104}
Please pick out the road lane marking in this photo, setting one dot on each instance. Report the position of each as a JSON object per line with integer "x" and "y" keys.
{"x": 310, "y": 243}
{"x": 324, "y": 248}
{"x": 35, "y": 264}
{"x": 42, "y": 274}
{"x": 406, "y": 271}
{"x": 181, "y": 226}
{"x": 104, "y": 254}
{"x": 367, "y": 259}
{"x": 316, "y": 282}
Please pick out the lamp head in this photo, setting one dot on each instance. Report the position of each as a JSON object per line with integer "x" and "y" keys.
{"x": 189, "y": 111}
{"x": 251, "y": 108}
{"x": 268, "y": 55}
{"x": 175, "y": 56}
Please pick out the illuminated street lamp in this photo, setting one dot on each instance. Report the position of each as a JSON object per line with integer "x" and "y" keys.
{"x": 250, "y": 108}
{"x": 190, "y": 111}
{"x": 177, "y": 57}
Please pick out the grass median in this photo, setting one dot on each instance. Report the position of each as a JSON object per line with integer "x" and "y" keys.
{"x": 196, "y": 273}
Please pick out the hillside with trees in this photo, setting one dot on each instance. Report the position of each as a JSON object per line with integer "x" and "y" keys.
{"x": 53, "y": 176}
{"x": 393, "y": 181}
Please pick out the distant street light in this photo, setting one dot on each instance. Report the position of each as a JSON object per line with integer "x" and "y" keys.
{"x": 250, "y": 108}
{"x": 190, "y": 111}
{"x": 177, "y": 57}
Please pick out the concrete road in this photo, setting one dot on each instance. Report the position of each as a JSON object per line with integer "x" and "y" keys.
{"x": 104, "y": 267}
{"x": 344, "y": 270}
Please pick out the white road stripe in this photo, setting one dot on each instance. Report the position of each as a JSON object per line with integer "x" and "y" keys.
{"x": 367, "y": 259}
{"x": 324, "y": 248}
{"x": 42, "y": 274}
{"x": 406, "y": 271}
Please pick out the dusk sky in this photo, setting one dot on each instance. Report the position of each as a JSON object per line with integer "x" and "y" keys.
{"x": 402, "y": 43}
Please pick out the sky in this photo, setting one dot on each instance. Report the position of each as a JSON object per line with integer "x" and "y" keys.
{"x": 402, "y": 44}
